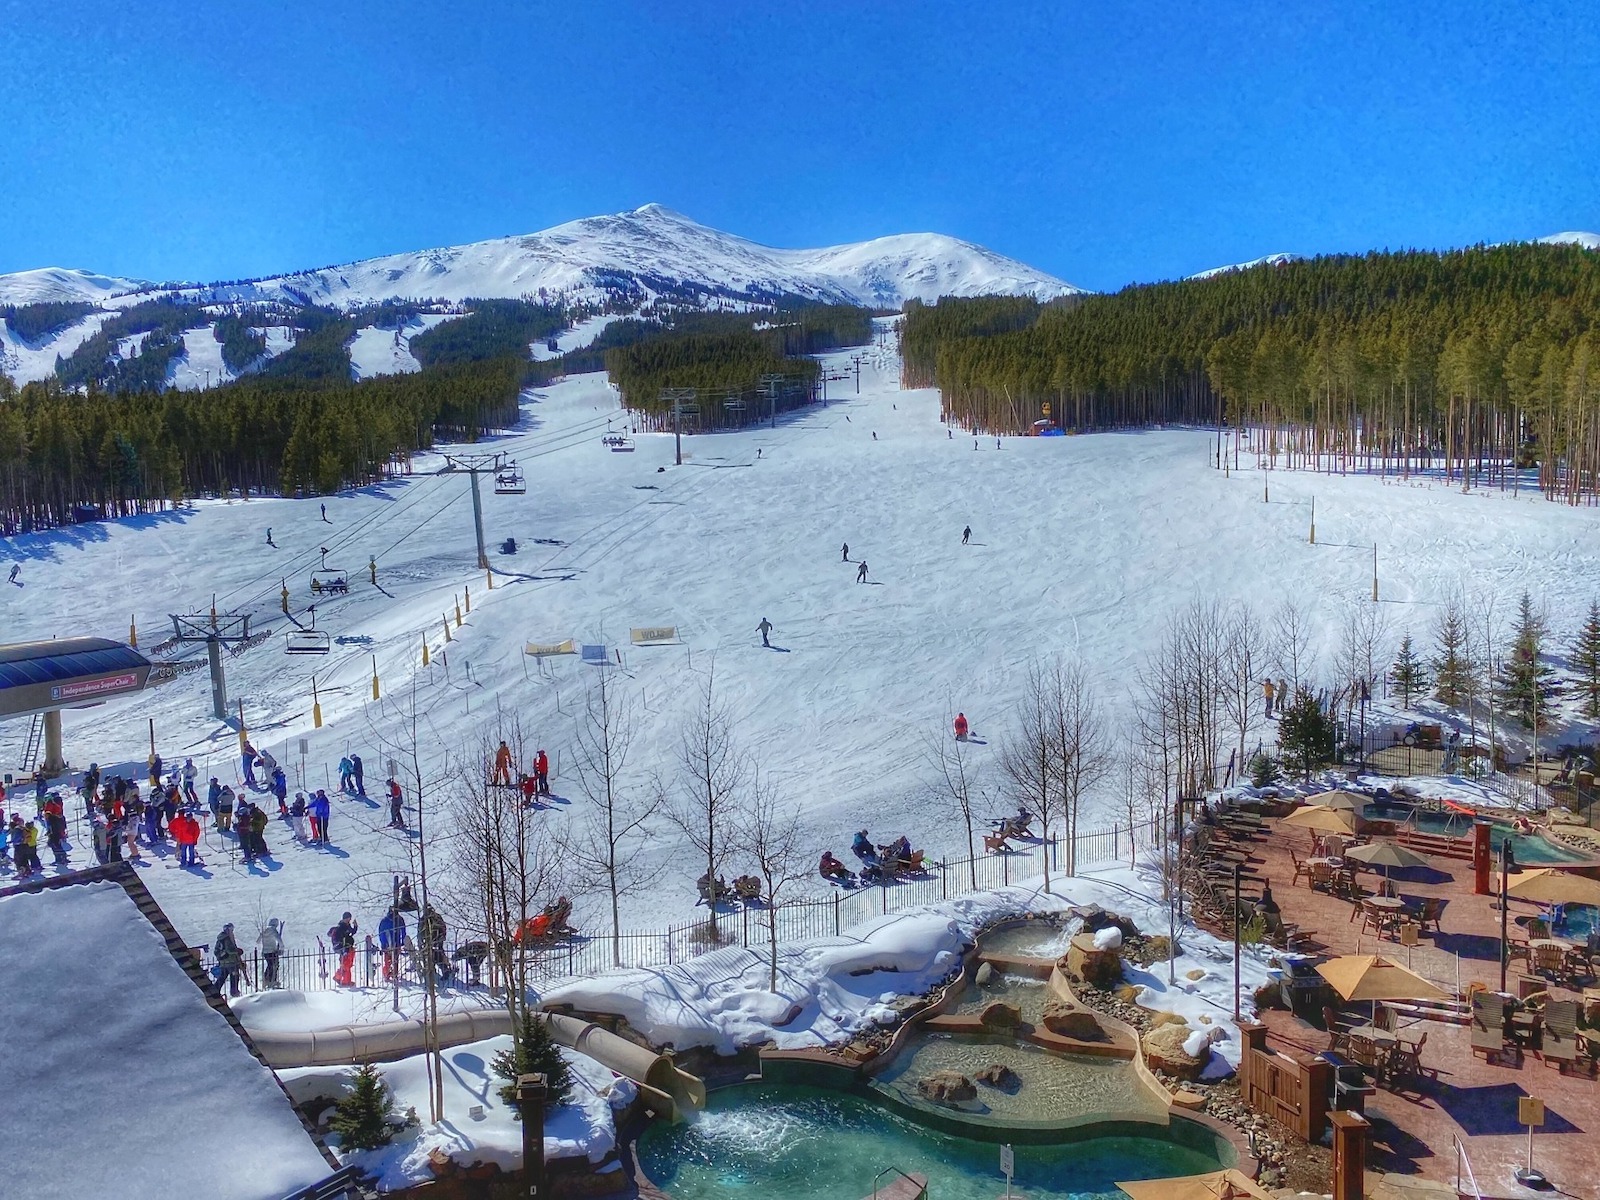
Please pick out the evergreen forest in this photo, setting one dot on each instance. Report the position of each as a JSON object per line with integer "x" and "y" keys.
{"x": 1482, "y": 365}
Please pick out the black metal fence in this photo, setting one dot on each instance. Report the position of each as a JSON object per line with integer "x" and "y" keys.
{"x": 800, "y": 919}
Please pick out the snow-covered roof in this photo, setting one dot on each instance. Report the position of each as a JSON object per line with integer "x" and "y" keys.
{"x": 123, "y": 1078}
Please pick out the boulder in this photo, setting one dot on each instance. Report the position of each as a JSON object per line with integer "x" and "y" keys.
{"x": 947, "y": 1087}
{"x": 1164, "y": 1051}
{"x": 1065, "y": 1019}
{"x": 1096, "y": 967}
{"x": 984, "y": 975}
{"x": 1096, "y": 918}
{"x": 998, "y": 1075}
{"x": 1000, "y": 1014}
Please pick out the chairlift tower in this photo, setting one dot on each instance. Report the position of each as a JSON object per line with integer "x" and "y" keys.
{"x": 216, "y": 630}
{"x": 678, "y": 397}
{"x": 475, "y": 465}
{"x": 772, "y": 383}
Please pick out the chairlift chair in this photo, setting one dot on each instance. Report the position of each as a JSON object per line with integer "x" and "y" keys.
{"x": 508, "y": 481}
{"x": 306, "y": 641}
{"x": 329, "y": 581}
{"x": 620, "y": 444}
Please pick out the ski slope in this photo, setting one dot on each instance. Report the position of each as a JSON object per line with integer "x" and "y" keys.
{"x": 1081, "y": 545}
{"x": 28, "y": 360}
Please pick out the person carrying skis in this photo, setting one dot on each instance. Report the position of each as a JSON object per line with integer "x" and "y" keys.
{"x": 966, "y": 535}
{"x": 961, "y": 727}
{"x": 501, "y": 776}
{"x": 764, "y": 629}
{"x": 271, "y": 950}
{"x": 391, "y": 940}
{"x": 397, "y": 810}
{"x": 861, "y": 572}
{"x": 541, "y": 773}
{"x": 230, "y": 960}
{"x": 343, "y": 939}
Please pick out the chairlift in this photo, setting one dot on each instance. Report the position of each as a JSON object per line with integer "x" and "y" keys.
{"x": 618, "y": 443}
{"x": 306, "y": 641}
{"x": 509, "y": 481}
{"x": 333, "y": 581}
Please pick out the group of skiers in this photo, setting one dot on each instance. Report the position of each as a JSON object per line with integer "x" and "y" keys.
{"x": 532, "y": 785}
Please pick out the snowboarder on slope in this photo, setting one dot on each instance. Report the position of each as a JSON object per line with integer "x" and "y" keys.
{"x": 861, "y": 572}
{"x": 966, "y": 535}
{"x": 763, "y": 629}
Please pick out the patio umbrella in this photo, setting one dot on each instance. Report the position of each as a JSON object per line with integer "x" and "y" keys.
{"x": 1385, "y": 855}
{"x": 1374, "y": 977}
{"x": 1347, "y": 801}
{"x": 1323, "y": 819}
{"x": 1555, "y": 887}
{"x": 1214, "y": 1185}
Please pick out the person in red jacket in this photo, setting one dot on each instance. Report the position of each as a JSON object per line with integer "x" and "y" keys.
{"x": 541, "y": 773}
{"x": 186, "y": 832}
{"x": 961, "y": 727}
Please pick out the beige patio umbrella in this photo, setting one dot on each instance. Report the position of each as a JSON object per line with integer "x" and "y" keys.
{"x": 1323, "y": 819}
{"x": 1347, "y": 801}
{"x": 1385, "y": 855}
{"x": 1374, "y": 977}
{"x": 1555, "y": 887}
{"x": 1230, "y": 1184}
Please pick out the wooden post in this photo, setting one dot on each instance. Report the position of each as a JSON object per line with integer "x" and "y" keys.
{"x": 467, "y": 592}
{"x": 1349, "y": 1155}
{"x": 374, "y": 676}
{"x": 446, "y": 620}
{"x": 531, "y": 1092}
{"x": 1374, "y": 572}
{"x": 424, "y": 649}
{"x": 458, "y": 614}
{"x": 489, "y": 576}
{"x": 1313, "y": 520}
{"x": 133, "y": 634}
{"x": 244, "y": 736}
{"x": 316, "y": 705}
{"x": 283, "y": 596}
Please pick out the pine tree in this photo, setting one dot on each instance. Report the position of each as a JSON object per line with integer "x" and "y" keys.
{"x": 1452, "y": 668}
{"x": 532, "y": 1052}
{"x": 1586, "y": 661}
{"x": 1264, "y": 770}
{"x": 362, "y": 1117}
{"x": 1527, "y": 685}
{"x": 1410, "y": 676}
{"x": 1306, "y": 734}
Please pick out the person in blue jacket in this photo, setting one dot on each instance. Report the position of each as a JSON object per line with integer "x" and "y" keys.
{"x": 391, "y": 939}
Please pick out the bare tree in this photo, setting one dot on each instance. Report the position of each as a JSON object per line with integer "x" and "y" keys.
{"x": 1243, "y": 662}
{"x": 714, "y": 777}
{"x": 605, "y": 853}
{"x": 1081, "y": 748}
{"x": 1363, "y": 642}
{"x": 507, "y": 864}
{"x": 770, "y": 829}
{"x": 1028, "y": 754}
{"x": 956, "y": 784}
{"x": 1291, "y": 643}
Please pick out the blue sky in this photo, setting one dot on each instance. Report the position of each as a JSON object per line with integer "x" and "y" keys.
{"x": 1104, "y": 143}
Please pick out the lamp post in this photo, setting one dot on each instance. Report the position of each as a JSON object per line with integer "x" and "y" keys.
{"x": 531, "y": 1093}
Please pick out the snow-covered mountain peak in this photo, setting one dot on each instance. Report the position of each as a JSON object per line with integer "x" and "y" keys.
{"x": 1589, "y": 241}
{"x": 1266, "y": 260}
{"x": 62, "y": 284}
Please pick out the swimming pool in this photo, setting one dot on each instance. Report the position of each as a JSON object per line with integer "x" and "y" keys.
{"x": 809, "y": 1144}
{"x": 1525, "y": 847}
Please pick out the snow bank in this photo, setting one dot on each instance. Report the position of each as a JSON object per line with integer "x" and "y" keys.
{"x": 583, "y": 1127}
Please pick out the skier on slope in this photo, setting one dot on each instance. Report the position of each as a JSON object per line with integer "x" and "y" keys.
{"x": 764, "y": 629}
{"x": 844, "y": 552}
{"x": 247, "y": 759}
{"x": 966, "y": 535}
{"x": 270, "y": 542}
{"x": 320, "y": 810}
{"x": 16, "y": 569}
{"x": 189, "y": 774}
{"x": 346, "y": 774}
{"x": 541, "y": 772}
{"x": 397, "y": 812}
{"x": 861, "y": 572}
{"x": 358, "y": 775}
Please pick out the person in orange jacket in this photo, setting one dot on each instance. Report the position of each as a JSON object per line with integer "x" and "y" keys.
{"x": 186, "y": 832}
{"x": 961, "y": 727}
{"x": 502, "y": 766}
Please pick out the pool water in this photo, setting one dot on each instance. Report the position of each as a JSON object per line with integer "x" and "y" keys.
{"x": 1525, "y": 848}
{"x": 799, "y": 1143}
{"x": 1029, "y": 995}
{"x": 1032, "y": 939}
{"x": 1055, "y": 1088}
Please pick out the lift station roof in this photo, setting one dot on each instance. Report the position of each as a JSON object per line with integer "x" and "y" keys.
{"x": 67, "y": 673}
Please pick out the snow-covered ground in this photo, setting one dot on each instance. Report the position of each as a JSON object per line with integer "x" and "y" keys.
{"x": 584, "y": 1126}
{"x": 375, "y": 351}
{"x": 27, "y": 361}
{"x": 1082, "y": 545}
{"x": 200, "y": 365}
{"x": 576, "y": 338}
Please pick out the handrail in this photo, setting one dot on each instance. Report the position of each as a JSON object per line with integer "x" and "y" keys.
{"x": 898, "y": 1172}
{"x": 1461, "y": 1157}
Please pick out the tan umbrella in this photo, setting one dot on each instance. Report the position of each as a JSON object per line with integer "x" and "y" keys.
{"x": 1555, "y": 887}
{"x": 1347, "y": 801}
{"x": 1385, "y": 855}
{"x": 1374, "y": 977}
{"x": 1214, "y": 1185}
{"x": 1324, "y": 820}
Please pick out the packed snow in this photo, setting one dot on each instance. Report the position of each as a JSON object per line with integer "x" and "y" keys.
{"x": 375, "y": 351}
{"x": 129, "y": 1084}
{"x": 576, "y": 338}
{"x": 27, "y": 361}
{"x": 1081, "y": 545}
{"x": 1589, "y": 241}
{"x": 584, "y": 1127}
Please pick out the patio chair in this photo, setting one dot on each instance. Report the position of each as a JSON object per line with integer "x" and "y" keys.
{"x": 1333, "y": 845}
{"x": 1432, "y": 910}
{"x": 1372, "y": 1057}
{"x": 1300, "y": 868}
{"x": 1384, "y": 1018}
{"x": 1560, "y": 1044}
{"x": 1322, "y": 878}
{"x": 1405, "y": 1060}
{"x": 1577, "y": 964}
{"x": 1488, "y": 1025}
{"x": 1550, "y": 960}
